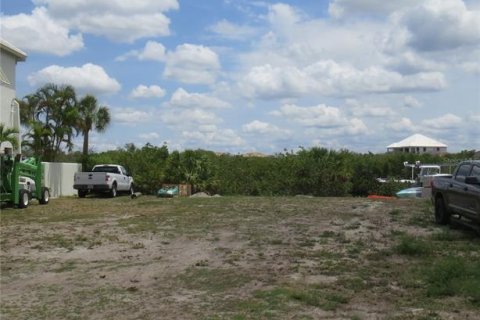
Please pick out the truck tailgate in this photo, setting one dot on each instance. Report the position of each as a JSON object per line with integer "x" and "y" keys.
{"x": 90, "y": 178}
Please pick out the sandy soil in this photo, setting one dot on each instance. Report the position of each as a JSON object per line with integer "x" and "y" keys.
{"x": 211, "y": 259}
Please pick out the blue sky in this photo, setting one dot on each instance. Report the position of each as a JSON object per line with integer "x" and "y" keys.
{"x": 242, "y": 76}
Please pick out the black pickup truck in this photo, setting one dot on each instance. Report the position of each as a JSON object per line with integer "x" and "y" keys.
{"x": 458, "y": 194}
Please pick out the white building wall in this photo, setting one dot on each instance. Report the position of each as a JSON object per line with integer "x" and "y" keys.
{"x": 9, "y": 111}
{"x": 58, "y": 177}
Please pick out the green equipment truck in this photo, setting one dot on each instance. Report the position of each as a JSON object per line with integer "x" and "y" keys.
{"x": 20, "y": 181}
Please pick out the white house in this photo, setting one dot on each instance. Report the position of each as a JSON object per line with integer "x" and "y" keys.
{"x": 9, "y": 108}
{"x": 418, "y": 144}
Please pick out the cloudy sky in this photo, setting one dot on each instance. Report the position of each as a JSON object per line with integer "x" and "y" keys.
{"x": 241, "y": 76}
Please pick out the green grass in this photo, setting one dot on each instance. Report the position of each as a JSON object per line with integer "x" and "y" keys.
{"x": 213, "y": 281}
{"x": 413, "y": 246}
{"x": 454, "y": 276}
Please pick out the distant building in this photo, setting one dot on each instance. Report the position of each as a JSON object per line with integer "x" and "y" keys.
{"x": 9, "y": 108}
{"x": 418, "y": 144}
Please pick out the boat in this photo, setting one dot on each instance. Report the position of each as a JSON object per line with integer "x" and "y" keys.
{"x": 415, "y": 192}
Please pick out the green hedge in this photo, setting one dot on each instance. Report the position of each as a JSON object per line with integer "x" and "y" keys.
{"x": 316, "y": 171}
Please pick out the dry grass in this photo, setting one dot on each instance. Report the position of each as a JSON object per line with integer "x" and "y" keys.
{"x": 235, "y": 258}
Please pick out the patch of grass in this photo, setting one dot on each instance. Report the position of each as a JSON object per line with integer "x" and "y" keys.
{"x": 450, "y": 235}
{"x": 353, "y": 283}
{"x": 424, "y": 217}
{"x": 310, "y": 296}
{"x": 66, "y": 266}
{"x": 328, "y": 234}
{"x": 213, "y": 280}
{"x": 140, "y": 224}
{"x": 454, "y": 276}
{"x": 60, "y": 241}
{"x": 395, "y": 212}
{"x": 138, "y": 245}
{"x": 413, "y": 246}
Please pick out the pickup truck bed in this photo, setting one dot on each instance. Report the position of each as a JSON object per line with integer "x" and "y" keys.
{"x": 458, "y": 194}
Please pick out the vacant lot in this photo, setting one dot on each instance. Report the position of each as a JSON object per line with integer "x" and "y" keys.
{"x": 235, "y": 258}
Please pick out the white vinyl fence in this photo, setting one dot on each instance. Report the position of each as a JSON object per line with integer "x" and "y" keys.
{"x": 59, "y": 178}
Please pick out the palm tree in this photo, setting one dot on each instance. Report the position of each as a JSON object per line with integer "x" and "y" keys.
{"x": 91, "y": 116}
{"x": 37, "y": 137}
{"x": 51, "y": 109}
{"x": 9, "y": 135}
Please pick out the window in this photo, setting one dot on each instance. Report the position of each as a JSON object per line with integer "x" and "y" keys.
{"x": 438, "y": 149}
{"x": 475, "y": 171}
{"x": 462, "y": 172}
{"x": 3, "y": 77}
{"x": 424, "y": 149}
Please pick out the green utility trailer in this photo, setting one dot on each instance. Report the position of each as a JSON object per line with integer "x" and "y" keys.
{"x": 13, "y": 170}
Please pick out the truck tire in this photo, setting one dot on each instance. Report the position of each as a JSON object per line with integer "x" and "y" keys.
{"x": 442, "y": 216}
{"x": 82, "y": 193}
{"x": 45, "y": 196}
{"x": 113, "y": 191}
{"x": 24, "y": 199}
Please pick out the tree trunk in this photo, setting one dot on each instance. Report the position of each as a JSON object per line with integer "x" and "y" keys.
{"x": 85, "y": 150}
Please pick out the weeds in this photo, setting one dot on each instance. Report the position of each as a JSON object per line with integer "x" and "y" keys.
{"x": 454, "y": 275}
{"x": 412, "y": 246}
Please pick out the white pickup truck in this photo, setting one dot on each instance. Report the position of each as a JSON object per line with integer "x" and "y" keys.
{"x": 110, "y": 178}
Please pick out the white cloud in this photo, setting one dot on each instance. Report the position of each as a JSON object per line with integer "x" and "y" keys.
{"x": 224, "y": 138}
{"x": 149, "y": 136}
{"x": 118, "y": 20}
{"x": 409, "y": 62}
{"x": 39, "y": 32}
{"x": 183, "y": 99}
{"x": 367, "y": 110}
{"x": 471, "y": 67}
{"x": 267, "y": 82}
{"x": 61, "y": 7}
{"x": 324, "y": 118}
{"x": 131, "y": 116}
{"x": 89, "y": 78}
{"x": 403, "y": 125}
{"x": 335, "y": 78}
{"x": 189, "y": 118}
{"x": 263, "y": 128}
{"x": 459, "y": 26}
{"x": 445, "y": 122}
{"x": 343, "y": 8}
{"x": 192, "y": 64}
{"x": 228, "y": 30}
{"x": 283, "y": 16}
{"x": 411, "y": 102}
{"x": 330, "y": 78}
{"x": 153, "y": 50}
{"x": 143, "y": 91}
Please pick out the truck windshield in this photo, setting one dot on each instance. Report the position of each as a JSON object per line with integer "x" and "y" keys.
{"x": 108, "y": 169}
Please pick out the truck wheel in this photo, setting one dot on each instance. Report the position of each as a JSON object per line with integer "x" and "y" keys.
{"x": 82, "y": 193}
{"x": 113, "y": 192}
{"x": 45, "y": 196}
{"x": 442, "y": 216}
{"x": 24, "y": 199}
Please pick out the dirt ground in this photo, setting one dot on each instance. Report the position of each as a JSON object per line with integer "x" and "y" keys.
{"x": 224, "y": 258}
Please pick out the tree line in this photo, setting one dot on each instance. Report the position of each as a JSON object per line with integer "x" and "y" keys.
{"x": 315, "y": 171}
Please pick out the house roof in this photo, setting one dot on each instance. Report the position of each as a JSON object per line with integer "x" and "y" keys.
{"x": 7, "y": 46}
{"x": 417, "y": 140}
